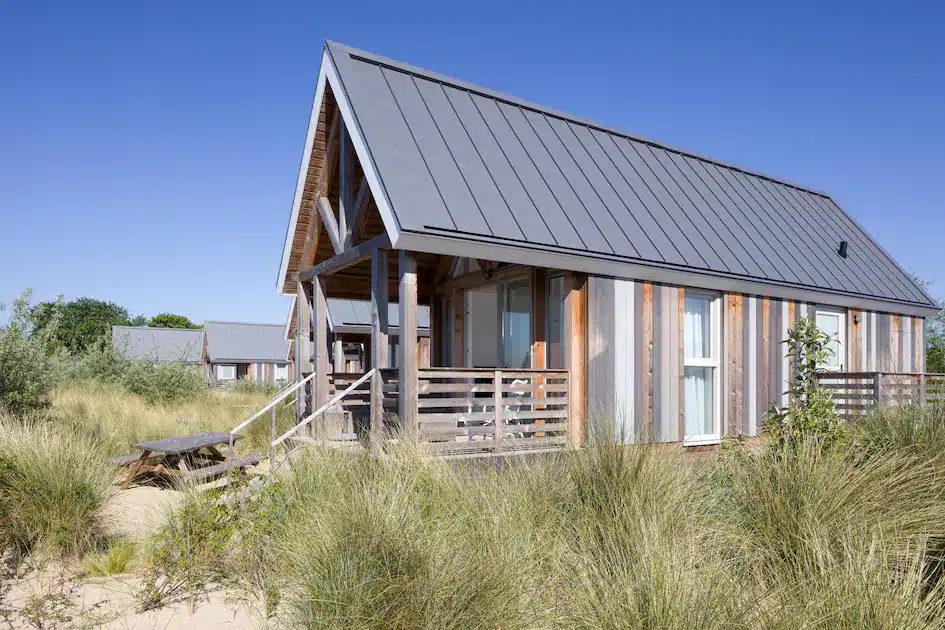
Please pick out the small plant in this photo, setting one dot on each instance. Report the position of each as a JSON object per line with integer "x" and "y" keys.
{"x": 811, "y": 412}
{"x": 255, "y": 386}
{"x": 116, "y": 560}
{"x": 161, "y": 383}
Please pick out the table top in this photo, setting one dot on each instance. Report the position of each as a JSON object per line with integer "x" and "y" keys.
{"x": 187, "y": 443}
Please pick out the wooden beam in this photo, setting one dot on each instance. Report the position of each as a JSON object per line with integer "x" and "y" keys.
{"x": 331, "y": 155}
{"x": 379, "y": 341}
{"x": 310, "y": 249}
{"x": 331, "y": 225}
{"x": 345, "y": 187}
{"x": 478, "y": 279}
{"x": 351, "y": 256}
{"x": 575, "y": 348}
{"x": 458, "y": 311}
{"x": 539, "y": 277}
{"x": 409, "y": 386}
{"x": 360, "y": 212}
{"x": 443, "y": 268}
{"x": 320, "y": 316}
{"x": 303, "y": 356}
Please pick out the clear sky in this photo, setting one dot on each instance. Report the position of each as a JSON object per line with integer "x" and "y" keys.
{"x": 149, "y": 151}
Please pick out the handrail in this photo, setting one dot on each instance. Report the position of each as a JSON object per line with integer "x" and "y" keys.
{"x": 272, "y": 403}
{"x": 321, "y": 409}
{"x": 272, "y": 425}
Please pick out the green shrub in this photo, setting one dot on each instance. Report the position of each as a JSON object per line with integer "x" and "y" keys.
{"x": 115, "y": 560}
{"x": 161, "y": 383}
{"x": 53, "y": 490}
{"x": 255, "y": 386}
{"x": 28, "y": 368}
{"x": 811, "y": 412}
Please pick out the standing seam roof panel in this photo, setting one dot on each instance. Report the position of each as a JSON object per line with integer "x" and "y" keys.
{"x": 589, "y": 232}
{"x": 734, "y": 222}
{"x": 709, "y": 258}
{"x": 820, "y": 234}
{"x": 558, "y": 222}
{"x": 462, "y": 208}
{"x": 405, "y": 176}
{"x": 775, "y": 236}
{"x": 805, "y": 239}
{"x": 529, "y": 220}
{"x": 872, "y": 250}
{"x": 481, "y": 185}
{"x": 798, "y": 256}
{"x": 704, "y": 219}
{"x": 664, "y": 219}
{"x": 640, "y": 215}
{"x": 600, "y": 184}
{"x": 580, "y": 185}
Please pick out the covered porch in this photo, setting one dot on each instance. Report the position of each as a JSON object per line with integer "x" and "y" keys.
{"x": 506, "y": 364}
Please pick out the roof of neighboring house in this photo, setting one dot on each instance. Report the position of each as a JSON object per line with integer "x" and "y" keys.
{"x": 158, "y": 344}
{"x": 355, "y": 316}
{"x": 246, "y": 342}
{"x": 460, "y": 169}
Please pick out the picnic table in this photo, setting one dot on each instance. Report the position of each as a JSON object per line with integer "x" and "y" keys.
{"x": 193, "y": 456}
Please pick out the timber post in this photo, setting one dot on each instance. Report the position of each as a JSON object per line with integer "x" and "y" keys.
{"x": 407, "y": 365}
{"x": 303, "y": 354}
{"x": 379, "y": 340}
{"x": 575, "y": 350}
{"x": 320, "y": 316}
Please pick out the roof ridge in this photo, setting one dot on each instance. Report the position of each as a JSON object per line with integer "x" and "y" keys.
{"x": 400, "y": 66}
{"x": 224, "y": 321}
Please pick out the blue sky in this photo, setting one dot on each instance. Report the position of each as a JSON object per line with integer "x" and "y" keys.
{"x": 148, "y": 153}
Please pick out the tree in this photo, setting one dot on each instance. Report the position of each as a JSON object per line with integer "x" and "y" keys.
{"x": 170, "y": 320}
{"x": 138, "y": 320}
{"x": 27, "y": 371}
{"x": 82, "y": 324}
{"x": 934, "y": 335}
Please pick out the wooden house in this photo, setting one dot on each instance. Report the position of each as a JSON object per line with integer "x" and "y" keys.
{"x": 579, "y": 278}
{"x": 241, "y": 350}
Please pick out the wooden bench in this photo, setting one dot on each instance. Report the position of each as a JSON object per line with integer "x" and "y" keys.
{"x": 211, "y": 471}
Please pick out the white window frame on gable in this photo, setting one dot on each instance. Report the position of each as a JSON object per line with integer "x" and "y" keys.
{"x": 836, "y": 361}
{"x": 228, "y": 375}
{"x": 711, "y": 362}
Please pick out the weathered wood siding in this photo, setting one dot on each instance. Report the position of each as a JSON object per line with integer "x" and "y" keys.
{"x": 635, "y": 356}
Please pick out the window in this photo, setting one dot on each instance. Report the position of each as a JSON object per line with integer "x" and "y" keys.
{"x": 282, "y": 372}
{"x": 226, "y": 372}
{"x": 517, "y": 325}
{"x": 701, "y": 368}
{"x": 832, "y": 322}
{"x": 554, "y": 316}
{"x": 498, "y": 325}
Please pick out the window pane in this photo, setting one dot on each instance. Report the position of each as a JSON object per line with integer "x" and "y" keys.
{"x": 517, "y": 326}
{"x": 698, "y": 394}
{"x": 554, "y": 311}
{"x": 698, "y": 342}
{"x": 830, "y": 324}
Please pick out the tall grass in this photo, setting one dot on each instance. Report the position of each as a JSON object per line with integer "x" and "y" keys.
{"x": 53, "y": 490}
{"x": 116, "y": 420}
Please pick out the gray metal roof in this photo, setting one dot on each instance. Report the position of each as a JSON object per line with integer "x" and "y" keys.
{"x": 462, "y": 161}
{"x": 245, "y": 342}
{"x": 355, "y": 316}
{"x": 158, "y": 344}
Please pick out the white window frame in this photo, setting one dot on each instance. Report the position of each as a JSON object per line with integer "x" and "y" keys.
{"x": 231, "y": 366}
{"x": 715, "y": 362}
{"x": 281, "y": 373}
{"x": 841, "y": 335}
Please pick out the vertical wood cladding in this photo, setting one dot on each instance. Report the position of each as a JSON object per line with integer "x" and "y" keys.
{"x": 635, "y": 372}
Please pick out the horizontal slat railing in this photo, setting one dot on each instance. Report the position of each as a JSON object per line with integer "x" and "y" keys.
{"x": 472, "y": 411}
{"x": 858, "y": 393}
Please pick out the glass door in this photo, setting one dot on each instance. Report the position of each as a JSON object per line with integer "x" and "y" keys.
{"x": 516, "y": 318}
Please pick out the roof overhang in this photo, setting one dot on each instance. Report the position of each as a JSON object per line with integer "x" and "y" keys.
{"x": 600, "y": 265}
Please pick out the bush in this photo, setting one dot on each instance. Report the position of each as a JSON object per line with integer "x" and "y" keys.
{"x": 28, "y": 370}
{"x": 53, "y": 490}
{"x": 254, "y": 386}
{"x": 161, "y": 383}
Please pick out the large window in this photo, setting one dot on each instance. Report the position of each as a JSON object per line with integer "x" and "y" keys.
{"x": 226, "y": 372}
{"x": 498, "y": 325}
{"x": 517, "y": 325}
{"x": 701, "y": 369}
{"x": 831, "y": 322}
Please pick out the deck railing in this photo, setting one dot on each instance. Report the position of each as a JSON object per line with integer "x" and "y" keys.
{"x": 475, "y": 411}
{"x": 857, "y": 393}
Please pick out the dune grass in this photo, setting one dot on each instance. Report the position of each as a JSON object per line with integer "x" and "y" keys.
{"x": 53, "y": 490}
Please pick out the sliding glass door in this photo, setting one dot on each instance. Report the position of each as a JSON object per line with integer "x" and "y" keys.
{"x": 498, "y": 325}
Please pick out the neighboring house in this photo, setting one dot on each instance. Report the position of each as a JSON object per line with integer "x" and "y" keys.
{"x": 238, "y": 350}
{"x": 349, "y": 327}
{"x": 166, "y": 345}
{"x": 659, "y": 283}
